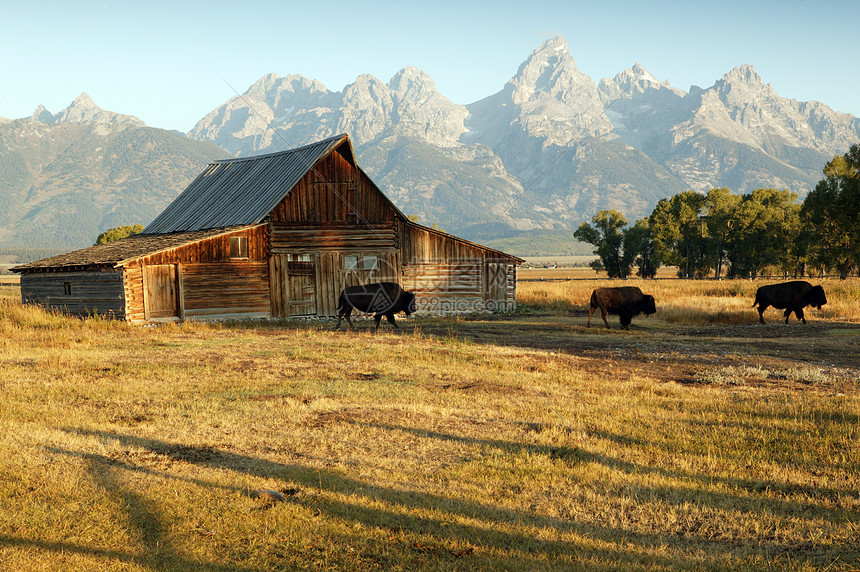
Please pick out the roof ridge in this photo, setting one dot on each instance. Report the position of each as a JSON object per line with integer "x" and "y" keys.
{"x": 322, "y": 142}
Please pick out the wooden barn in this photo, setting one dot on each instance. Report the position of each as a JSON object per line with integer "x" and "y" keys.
{"x": 276, "y": 235}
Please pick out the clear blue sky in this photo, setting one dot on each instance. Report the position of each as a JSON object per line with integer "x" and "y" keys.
{"x": 170, "y": 63}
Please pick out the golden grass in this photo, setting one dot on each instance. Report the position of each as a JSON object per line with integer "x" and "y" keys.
{"x": 521, "y": 442}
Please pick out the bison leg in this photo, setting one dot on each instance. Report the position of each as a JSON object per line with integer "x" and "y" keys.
{"x": 591, "y": 310}
{"x": 603, "y": 315}
{"x": 345, "y": 313}
{"x": 799, "y": 313}
{"x": 625, "y": 321}
{"x": 377, "y": 318}
{"x": 390, "y": 317}
{"x": 761, "y": 313}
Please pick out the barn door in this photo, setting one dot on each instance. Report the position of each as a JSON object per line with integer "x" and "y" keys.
{"x": 301, "y": 289}
{"x": 160, "y": 291}
{"x": 495, "y": 285}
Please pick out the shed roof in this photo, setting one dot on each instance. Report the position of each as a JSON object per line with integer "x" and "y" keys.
{"x": 120, "y": 252}
{"x": 243, "y": 191}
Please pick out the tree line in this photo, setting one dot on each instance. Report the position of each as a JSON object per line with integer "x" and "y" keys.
{"x": 723, "y": 234}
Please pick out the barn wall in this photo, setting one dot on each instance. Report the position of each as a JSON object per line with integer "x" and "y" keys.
{"x": 207, "y": 282}
{"x": 225, "y": 291}
{"x": 335, "y": 192}
{"x": 317, "y": 256}
{"x": 449, "y": 275}
{"x": 77, "y": 293}
{"x": 216, "y": 249}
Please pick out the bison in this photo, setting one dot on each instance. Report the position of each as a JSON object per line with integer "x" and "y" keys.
{"x": 624, "y": 301}
{"x": 789, "y": 296}
{"x": 380, "y": 299}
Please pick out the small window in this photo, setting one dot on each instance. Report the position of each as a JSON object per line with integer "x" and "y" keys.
{"x": 350, "y": 262}
{"x": 370, "y": 262}
{"x": 301, "y": 258}
{"x": 238, "y": 247}
{"x": 67, "y": 288}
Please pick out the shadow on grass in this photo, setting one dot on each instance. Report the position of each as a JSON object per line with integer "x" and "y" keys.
{"x": 678, "y": 496}
{"x": 491, "y": 535}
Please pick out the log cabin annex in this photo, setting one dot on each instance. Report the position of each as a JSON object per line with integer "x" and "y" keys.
{"x": 272, "y": 236}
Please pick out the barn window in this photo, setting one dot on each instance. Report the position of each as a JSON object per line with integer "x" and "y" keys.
{"x": 350, "y": 262}
{"x": 370, "y": 262}
{"x": 67, "y": 288}
{"x": 238, "y": 247}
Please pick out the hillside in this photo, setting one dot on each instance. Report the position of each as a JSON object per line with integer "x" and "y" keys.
{"x": 68, "y": 177}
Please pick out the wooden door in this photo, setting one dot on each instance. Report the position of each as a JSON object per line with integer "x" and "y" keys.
{"x": 495, "y": 284}
{"x": 301, "y": 271}
{"x": 160, "y": 291}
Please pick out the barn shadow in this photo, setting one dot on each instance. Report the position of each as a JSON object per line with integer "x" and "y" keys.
{"x": 399, "y": 510}
{"x": 678, "y": 496}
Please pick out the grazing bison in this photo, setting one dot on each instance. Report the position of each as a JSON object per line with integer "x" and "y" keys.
{"x": 789, "y": 296}
{"x": 381, "y": 299}
{"x": 625, "y": 301}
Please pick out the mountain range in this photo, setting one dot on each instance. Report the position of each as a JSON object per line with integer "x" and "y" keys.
{"x": 544, "y": 153}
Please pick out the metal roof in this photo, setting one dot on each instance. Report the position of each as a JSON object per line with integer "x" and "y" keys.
{"x": 242, "y": 191}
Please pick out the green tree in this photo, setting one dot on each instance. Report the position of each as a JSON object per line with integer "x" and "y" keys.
{"x": 607, "y": 236}
{"x": 765, "y": 227}
{"x": 721, "y": 207}
{"x": 118, "y": 233}
{"x": 680, "y": 233}
{"x": 832, "y": 214}
{"x": 639, "y": 243}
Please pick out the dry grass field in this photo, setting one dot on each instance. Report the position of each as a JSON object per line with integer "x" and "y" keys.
{"x": 699, "y": 439}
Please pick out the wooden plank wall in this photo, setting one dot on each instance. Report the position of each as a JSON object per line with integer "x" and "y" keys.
{"x": 230, "y": 290}
{"x": 91, "y": 292}
{"x": 332, "y": 278}
{"x": 211, "y": 284}
{"x": 215, "y": 249}
{"x": 452, "y": 276}
{"x": 300, "y": 238}
{"x": 335, "y": 192}
{"x": 328, "y": 243}
{"x": 135, "y": 311}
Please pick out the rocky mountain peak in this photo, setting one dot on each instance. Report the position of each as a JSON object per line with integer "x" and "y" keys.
{"x": 84, "y": 110}
{"x": 549, "y": 70}
{"x": 412, "y": 80}
{"x": 743, "y": 74}
{"x": 42, "y": 114}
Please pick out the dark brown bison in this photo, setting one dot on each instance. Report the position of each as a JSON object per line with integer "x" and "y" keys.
{"x": 624, "y": 301}
{"x": 380, "y": 299}
{"x": 789, "y": 296}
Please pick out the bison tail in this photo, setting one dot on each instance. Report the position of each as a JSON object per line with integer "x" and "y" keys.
{"x": 340, "y": 302}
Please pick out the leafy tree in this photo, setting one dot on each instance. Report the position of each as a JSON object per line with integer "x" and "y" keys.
{"x": 721, "y": 206}
{"x": 765, "y": 227}
{"x": 639, "y": 243}
{"x": 832, "y": 213}
{"x": 118, "y": 233}
{"x": 607, "y": 236}
{"x": 679, "y": 233}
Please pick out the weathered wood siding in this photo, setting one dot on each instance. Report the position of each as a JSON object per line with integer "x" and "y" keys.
{"x": 308, "y": 281}
{"x": 206, "y": 282}
{"x": 335, "y": 192}
{"x": 225, "y": 290}
{"x": 77, "y": 293}
{"x": 451, "y": 276}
